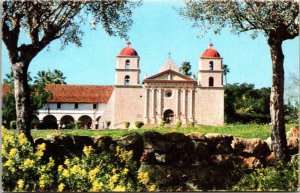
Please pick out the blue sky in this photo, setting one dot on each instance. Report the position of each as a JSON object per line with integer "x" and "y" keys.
{"x": 157, "y": 30}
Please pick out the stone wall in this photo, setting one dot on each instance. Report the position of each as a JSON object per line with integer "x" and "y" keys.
{"x": 178, "y": 162}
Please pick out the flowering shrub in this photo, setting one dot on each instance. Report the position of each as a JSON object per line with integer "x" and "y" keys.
{"x": 143, "y": 177}
{"x": 23, "y": 168}
{"x": 112, "y": 170}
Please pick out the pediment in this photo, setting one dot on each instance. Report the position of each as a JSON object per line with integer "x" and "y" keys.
{"x": 169, "y": 75}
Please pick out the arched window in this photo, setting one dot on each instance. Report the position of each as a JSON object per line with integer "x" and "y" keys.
{"x": 127, "y": 80}
{"x": 127, "y": 64}
{"x": 211, "y": 81}
{"x": 211, "y": 65}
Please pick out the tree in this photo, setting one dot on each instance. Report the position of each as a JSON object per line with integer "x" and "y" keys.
{"x": 38, "y": 97}
{"x": 58, "y": 77}
{"x": 186, "y": 68}
{"x": 226, "y": 70}
{"x": 245, "y": 104}
{"x": 46, "y": 21}
{"x": 277, "y": 20}
{"x": 55, "y": 77}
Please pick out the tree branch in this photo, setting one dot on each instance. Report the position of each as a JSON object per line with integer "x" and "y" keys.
{"x": 11, "y": 37}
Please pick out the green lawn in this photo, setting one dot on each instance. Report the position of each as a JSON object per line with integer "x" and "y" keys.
{"x": 244, "y": 131}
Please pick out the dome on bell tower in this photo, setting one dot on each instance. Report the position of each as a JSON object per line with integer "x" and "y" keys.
{"x": 210, "y": 52}
{"x": 128, "y": 51}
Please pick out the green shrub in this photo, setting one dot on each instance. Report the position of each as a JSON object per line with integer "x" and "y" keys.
{"x": 12, "y": 125}
{"x": 71, "y": 125}
{"x": 178, "y": 124}
{"x": 162, "y": 123}
{"x": 139, "y": 124}
{"x": 23, "y": 168}
{"x": 192, "y": 124}
{"x": 107, "y": 124}
{"x": 126, "y": 124}
{"x": 280, "y": 177}
{"x": 35, "y": 124}
{"x": 77, "y": 124}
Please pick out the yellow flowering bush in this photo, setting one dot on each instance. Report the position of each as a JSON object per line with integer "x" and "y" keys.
{"x": 143, "y": 178}
{"x": 87, "y": 150}
{"x": 23, "y": 168}
{"x": 112, "y": 170}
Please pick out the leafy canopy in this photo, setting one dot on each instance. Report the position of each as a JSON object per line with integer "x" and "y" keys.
{"x": 269, "y": 17}
{"x": 45, "y": 21}
{"x": 50, "y": 77}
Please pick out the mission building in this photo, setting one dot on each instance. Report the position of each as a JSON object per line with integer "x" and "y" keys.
{"x": 166, "y": 96}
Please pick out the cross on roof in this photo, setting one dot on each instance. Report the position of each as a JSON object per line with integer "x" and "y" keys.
{"x": 169, "y": 54}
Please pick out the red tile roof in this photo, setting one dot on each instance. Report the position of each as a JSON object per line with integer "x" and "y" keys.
{"x": 75, "y": 93}
{"x": 79, "y": 93}
{"x": 5, "y": 89}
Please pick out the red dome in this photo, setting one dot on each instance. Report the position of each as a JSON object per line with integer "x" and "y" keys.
{"x": 210, "y": 52}
{"x": 128, "y": 51}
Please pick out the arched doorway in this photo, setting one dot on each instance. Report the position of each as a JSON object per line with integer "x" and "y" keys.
{"x": 168, "y": 116}
{"x": 67, "y": 122}
{"x": 85, "y": 121}
{"x": 49, "y": 122}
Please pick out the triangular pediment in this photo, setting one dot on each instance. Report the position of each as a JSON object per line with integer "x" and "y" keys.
{"x": 169, "y": 65}
{"x": 169, "y": 75}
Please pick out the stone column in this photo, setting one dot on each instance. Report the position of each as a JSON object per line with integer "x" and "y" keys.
{"x": 146, "y": 104}
{"x": 191, "y": 109}
{"x": 153, "y": 106}
{"x": 161, "y": 108}
{"x": 159, "y": 98}
{"x": 183, "y": 106}
{"x": 58, "y": 124}
{"x": 93, "y": 126}
{"x": 177, "y": 104}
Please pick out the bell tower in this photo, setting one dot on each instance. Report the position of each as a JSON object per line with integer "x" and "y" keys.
{"x": 127, "y": 68}
{"x": 210, "y": 73}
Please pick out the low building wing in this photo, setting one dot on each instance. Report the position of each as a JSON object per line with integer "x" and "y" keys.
{"x": 74, "y": 93}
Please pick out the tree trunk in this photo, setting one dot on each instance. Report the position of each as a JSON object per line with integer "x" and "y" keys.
{"x": 278, "y": 136}
{"x": 22, "y": 97}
